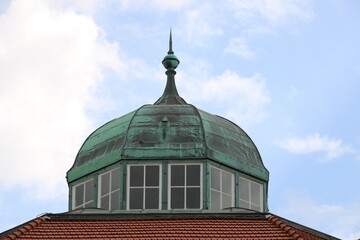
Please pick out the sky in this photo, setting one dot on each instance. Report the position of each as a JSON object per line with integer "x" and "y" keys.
{"x": 286, "y": 71}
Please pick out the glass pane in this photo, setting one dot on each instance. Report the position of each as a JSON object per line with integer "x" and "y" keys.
{"x": 244, "y": 204}
{"x": 115, "y": 179}
{"x": 77, "y": 207}
{"x": 136, "y": 176}
{"x": 193, "y": 197}
{"x": 256, "y": 208}
{"x": 79, "y": 195}
{"x": 115, "y": 200}
{"x": 255, "y": 193}
{"x": 177, "y": 198}
{"x": 215, "y": 178}
{"x": 177, "y": 175}
{"x": 104, "y": 202}
{"x": 227, "y": 182}
{"x": 89, "y": 204}
{"x": 136, "y": 198}
{"x": 244, "y": 189}
{"x": 152, "y": 198}
{"x": 89, "y": 190}
{"x": 105, "y": 182}
{"x": 152, "y": 176}
{"x": 193, "y": 175}
{"x": 215, "y": 200}
{"x": 226, "y": 201}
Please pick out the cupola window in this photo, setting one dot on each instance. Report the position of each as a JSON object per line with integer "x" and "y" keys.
{"x": 185, "y": 186}
{"x": 251, "y": 194}
{"x": 222, "y": 189}
{"x": 144, "y": 187}
{"x": 109, "y": 188}
{"x": 83, "y": 195}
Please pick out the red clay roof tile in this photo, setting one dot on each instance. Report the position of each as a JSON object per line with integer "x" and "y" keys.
{"x": 68, "y": 226}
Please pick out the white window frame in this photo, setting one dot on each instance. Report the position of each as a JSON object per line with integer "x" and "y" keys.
{"x": 144, "y": 185}
{"x": 221, "y": 192}
{"x": 250, "y": 202}
{"x": 185, "y": 186}
{"x": 83, "y": 200}
{"x": 110, "y": 184}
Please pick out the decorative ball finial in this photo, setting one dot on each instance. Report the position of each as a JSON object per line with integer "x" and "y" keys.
{"x": 170, "y": 60}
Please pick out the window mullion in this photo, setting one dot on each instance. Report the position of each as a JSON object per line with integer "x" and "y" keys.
{"x": 110, "y": 187}
{"x": 83, "y": 203}
{"x": 99, "y": 192}
{"x": 233, "y": 198}
{"x": 250, "y": 200}
{"x": 144, "y": 186}
{"x": 221, "y": 189}
{"x": 185, "y": 186}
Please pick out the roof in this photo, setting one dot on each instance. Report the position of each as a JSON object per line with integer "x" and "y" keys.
{"x": 164, "y": 132}
{"x": 162, "y": 226}
{"x": 169, "y": 129}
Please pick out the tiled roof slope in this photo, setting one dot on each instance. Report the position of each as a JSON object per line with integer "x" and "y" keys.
{"x": 162, "y": 226}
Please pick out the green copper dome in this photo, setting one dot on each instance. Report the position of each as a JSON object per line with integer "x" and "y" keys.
{"x": 168, "y": 130}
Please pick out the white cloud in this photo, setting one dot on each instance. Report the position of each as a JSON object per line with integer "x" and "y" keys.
{"x": 258, "y": 18}
{"x": 245, "y": 98}
{"x": 200, "y": 24}
{"x": 273, "y": 12}
{"x": 82, "y": 6}
{"x": 337, "y": 219}
{"x": 159, "y": 5}
{"x": 315, "y": 143}
{"x": 239, "y": 47}
{"x": 50, "y": 66}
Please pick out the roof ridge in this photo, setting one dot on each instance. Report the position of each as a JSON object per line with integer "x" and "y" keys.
{"x": 25, "y": 228}
{"x": 285, "y": 227}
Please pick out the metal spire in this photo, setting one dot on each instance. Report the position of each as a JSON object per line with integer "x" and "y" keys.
{"x": 170, "y": 62}
{"x": 170, "y": 44}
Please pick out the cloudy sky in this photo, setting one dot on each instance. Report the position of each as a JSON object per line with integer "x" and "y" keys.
{"x": 287, "y": 72}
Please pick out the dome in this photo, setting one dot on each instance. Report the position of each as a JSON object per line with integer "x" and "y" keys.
{"x": 169, "y": 132}
{"x": 169, "y": 150}
{"x": 169, "y": 129}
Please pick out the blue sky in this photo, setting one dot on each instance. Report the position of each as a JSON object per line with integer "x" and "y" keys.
{"x": 287, "y": 72}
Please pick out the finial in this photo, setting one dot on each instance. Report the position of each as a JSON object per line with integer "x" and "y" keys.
{"x": 170, "y": 44}
{"x": 170, "y": 60}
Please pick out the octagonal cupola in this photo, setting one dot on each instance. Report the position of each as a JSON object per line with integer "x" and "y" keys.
{"x": 168, "y": 156}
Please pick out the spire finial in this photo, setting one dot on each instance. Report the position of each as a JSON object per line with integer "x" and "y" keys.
{"x": 170, "y": 60}
{"x": 170, "y": 44}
